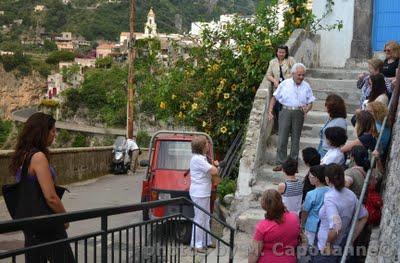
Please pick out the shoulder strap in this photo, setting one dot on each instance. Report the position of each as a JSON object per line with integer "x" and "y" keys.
{"x": 27, "y": 161}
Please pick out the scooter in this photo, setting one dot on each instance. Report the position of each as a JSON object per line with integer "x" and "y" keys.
{"x": 120, "y": 163}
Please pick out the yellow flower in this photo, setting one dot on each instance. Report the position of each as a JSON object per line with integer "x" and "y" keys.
{"x": 219, "y": 90}
{"x": 219, "y": 105}
{"x": 268, "y": 42}
{"x": 194, "y": 106}
{"x": 183, "y": 106}
{"x": 215, "y": 67}
{"x": 222, "y": 82}
{"x": 180, "y": 115}
{"x": 228, "y": 113}
{"x": 163, "y": 105}
{"x": 199, "y": 94}
{"x": 204, "y": 124}
{"x": 173, "y": 96}
{"x": 297, "y": 21}
{"x": 226, "y": 96}
{"x": 223, "y": 129}
{"x": 233, "y": 87}
{"x": 291, "y": 11}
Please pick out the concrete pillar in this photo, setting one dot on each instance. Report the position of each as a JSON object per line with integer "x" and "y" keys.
{"x": 361, "y": 45}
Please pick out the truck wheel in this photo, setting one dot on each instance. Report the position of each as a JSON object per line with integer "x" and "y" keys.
{"x": 183, "y": 232}
{"x": 145, "y": 211}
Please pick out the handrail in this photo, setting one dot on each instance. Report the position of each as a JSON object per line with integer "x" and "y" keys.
{"x": 365, "y": 186}
{"x": 19, "y": 224}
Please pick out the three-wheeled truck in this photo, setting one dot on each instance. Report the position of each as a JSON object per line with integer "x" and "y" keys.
{"x": 168, "y": 175}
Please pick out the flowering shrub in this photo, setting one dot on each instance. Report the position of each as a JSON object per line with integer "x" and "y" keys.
{"x": 297, "y": 15}
{"x": 213, "y": 90}
{"x": 50, "y": 103}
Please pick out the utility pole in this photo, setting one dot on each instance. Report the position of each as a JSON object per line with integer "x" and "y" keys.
{"x": 131, "y": 74}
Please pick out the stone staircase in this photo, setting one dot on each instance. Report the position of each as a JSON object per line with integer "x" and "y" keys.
{"x": 245, "y": 213}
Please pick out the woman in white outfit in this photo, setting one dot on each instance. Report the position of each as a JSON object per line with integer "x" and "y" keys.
{"x": 200, "y": 191}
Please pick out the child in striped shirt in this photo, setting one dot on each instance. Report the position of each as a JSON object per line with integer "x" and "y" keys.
{"x": 292, "y": 189}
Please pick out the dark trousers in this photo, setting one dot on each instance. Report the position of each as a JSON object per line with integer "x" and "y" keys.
{"x": 290, "y": 123}
{"x": 61, "y": 253}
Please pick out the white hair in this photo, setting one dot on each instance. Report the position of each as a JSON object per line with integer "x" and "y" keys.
{"x": 296, "y": 66}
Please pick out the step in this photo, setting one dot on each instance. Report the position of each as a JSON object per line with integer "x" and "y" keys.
{"x": 247, "y": 221}
{"x": 320, "y": 117}
{"x": 319, "y": 105}
{"x": 241, "y": 250}
{"x": 261, "y": 185}
{"x": 304, "y": 142}
{"x": 266, "y": 177}
{"x": 335, "y": 73}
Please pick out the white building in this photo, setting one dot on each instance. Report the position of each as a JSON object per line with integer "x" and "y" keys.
{"x": 196, "y": 28}
{"x": 54, "y": 85}
{"x": 39, "y": 8}
{"x": 150, "y": 28}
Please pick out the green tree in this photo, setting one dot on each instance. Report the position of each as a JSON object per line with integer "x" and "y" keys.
{"x": 68, "y": 73}
{"x": 57, "y": 56}
{"x": 105, "y": 62}
{"x": 49, "y": 45}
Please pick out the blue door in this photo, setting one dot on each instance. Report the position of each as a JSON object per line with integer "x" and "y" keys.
{"x": 386, "y": 23}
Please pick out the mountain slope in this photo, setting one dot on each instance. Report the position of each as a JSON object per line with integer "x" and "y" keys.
{"x": 96, "y": 19}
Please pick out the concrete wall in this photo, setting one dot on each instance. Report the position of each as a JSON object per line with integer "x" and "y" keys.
{"x": 71, "y": 164}
{"x": 258, "y": 131}
{"x": 335, "y": 45}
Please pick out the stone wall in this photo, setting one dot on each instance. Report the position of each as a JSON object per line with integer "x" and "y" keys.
{"x": 258, "y": 131}
{"x": 71, "y": 164}
{"x": 304, "y": 47}
{"x": 385, "y": 240}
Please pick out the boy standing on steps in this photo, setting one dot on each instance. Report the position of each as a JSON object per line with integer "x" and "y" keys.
{"x": 292, "y": 189}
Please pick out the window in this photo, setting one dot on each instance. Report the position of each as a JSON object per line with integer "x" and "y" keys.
{"x": 174, "y": 155}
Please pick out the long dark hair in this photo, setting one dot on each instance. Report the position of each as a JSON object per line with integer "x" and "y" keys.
{"x": 378, "y": 86}
{"x": 34, "y": 135}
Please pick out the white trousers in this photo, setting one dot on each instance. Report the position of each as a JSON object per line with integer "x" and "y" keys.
{"x": 199, "y": 237}
{"x": 310, "y": 237}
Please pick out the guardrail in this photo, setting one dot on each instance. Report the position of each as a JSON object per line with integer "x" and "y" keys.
{"x": 148, "y": 241}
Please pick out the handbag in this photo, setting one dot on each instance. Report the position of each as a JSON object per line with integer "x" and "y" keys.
{"x": 25, "y": 199}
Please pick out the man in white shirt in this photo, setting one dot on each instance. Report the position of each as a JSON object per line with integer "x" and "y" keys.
{"x": 296, "y": 98}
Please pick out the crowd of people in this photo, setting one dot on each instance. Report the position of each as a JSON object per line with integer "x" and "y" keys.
{"x": 316, "y": 213}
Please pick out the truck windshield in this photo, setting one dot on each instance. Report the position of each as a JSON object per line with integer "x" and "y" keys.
{"x": 174, "y": 155}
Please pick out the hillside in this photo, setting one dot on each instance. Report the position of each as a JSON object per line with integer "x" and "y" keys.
{"x": 96, "y": 19}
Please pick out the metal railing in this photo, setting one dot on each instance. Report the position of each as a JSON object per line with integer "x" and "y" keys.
{"x": 233, "y": 155}
{"x": 393, "y": 102}
{"x": 148, "y": 241}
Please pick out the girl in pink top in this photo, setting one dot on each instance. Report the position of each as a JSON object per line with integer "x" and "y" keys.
{"x": 275, "y": 238}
